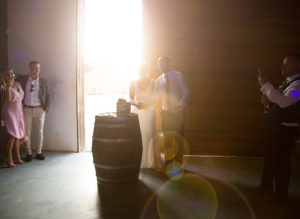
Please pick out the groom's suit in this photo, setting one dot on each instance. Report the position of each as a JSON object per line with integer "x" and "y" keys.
{"x": 175, "y": 93}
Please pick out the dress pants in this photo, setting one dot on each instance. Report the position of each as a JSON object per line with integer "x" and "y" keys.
{"x": 34, "y": 117}
{"x": 174, "y": 122}
{"x": 277, "y": 158}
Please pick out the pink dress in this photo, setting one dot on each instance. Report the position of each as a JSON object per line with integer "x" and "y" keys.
{"x": 12, "y": 113}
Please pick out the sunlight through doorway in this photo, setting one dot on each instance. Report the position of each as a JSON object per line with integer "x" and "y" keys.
{"x": 112, "y": 53}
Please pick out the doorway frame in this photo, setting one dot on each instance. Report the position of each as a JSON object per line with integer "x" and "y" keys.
{"x": 80, "y": 102}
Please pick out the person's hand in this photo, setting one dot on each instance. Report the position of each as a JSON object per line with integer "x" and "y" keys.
{"x": 133, "y": 102}
{"x": 262, "y": 80}
{"x": 175, "y": 109}
{"x": 2, "y": 124}
{"x": 264, "y": 100}
{"x": 9, "y": 83}
{"x": 141, "y": 106}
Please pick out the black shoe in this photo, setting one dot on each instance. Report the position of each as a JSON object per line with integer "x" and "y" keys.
{"x": 40, "y": 156}
{"x": 28, "y": 158}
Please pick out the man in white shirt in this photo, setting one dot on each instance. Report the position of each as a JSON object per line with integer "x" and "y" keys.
{"x": 283, "y": 109}
{"x": 173, "y": 89}
{"x": 36, "y": 104}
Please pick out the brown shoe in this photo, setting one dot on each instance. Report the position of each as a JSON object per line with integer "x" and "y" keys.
{"x": 19, "y": 161}
{"x": 10, "y": 163}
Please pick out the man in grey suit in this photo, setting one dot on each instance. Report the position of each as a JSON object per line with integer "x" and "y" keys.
{"x": 36, "y": 105}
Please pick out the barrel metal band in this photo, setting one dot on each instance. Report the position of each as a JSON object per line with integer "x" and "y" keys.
{"x": 111, "y": 125}
{"x": 116, "y": 167}
{"x": 100, "y": 179}
{"x": 119, "y": 140}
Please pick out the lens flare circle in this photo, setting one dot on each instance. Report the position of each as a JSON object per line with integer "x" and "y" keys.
{"x": 171, "y": 145}
{"x": 174, "y": 170}
{"x": 238, "y": 192}
{"x": 191, "y": 196}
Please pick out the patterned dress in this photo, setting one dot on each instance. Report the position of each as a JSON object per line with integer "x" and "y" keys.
{"x": 12, "y": 113}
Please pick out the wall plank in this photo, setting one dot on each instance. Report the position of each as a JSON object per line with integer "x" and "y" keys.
{"x": 3, "y": 34}
{"x": 47, "y": 31}
{"x": 218, "y": 46}
{"x": 3, "y": 61}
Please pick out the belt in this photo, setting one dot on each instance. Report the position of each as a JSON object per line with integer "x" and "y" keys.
{"x": 32, "y": 106}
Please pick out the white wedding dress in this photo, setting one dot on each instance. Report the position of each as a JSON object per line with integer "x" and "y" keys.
{"x": 147, "y": 119}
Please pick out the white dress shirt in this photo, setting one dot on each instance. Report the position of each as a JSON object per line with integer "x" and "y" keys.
{"x": 178, "y": 90}
{"x": 31, "y": 98}
{"x": 289, "y": 96}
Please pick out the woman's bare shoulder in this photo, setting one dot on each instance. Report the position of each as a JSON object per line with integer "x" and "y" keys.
{"x": 133, "y": 82}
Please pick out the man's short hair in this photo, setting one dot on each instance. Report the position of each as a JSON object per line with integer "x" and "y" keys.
{"x": 167, "y": 59}
{"x": 33, "y": 63}
{"x": 294, "y": 55}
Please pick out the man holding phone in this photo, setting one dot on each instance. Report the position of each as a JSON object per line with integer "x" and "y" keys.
{"x": 36, "y": 105}
{"x": 283, "y": 106}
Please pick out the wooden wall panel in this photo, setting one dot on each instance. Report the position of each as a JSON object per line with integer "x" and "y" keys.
{"x": 218, "y": 46}
{"x": 3, "y": 62}
{"x": 3, "y": 34}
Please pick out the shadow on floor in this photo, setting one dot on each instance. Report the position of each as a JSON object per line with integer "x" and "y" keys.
{"x": 122, "y": 200}
{"x": 266, "y": 205}
{"x": 65, "y": 186}
{"x": 135, "y": 199}
{"x": 156, "y": 196}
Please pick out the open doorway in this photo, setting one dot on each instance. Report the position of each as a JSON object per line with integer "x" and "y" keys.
{"x": 112, "y": 52}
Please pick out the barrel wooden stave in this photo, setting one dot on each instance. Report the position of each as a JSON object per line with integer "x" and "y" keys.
{"x": 117, "y": 148}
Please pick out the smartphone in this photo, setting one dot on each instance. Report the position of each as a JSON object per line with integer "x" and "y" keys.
{"x": 12, "y": 79}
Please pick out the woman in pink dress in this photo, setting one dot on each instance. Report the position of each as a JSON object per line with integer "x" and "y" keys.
{"x": 12, "y": 115}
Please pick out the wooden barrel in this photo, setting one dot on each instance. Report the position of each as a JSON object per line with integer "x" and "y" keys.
{"x": 117, "y": 147}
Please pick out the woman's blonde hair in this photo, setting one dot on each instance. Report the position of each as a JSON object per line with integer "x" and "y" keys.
{"x": 3, "y": 76}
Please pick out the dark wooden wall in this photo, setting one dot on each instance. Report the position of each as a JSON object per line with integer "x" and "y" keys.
{"x": 218, "y": 45}
{"x": 3, "y": 34}
{"x": 3, "y": 60}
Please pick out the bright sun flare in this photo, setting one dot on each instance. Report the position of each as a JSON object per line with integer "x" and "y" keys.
{"x": 112, "y": 42}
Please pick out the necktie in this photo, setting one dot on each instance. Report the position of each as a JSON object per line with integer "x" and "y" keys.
{"x": 168, "y": 102}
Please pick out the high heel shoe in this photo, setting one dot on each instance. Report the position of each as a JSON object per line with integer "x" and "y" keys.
{"x": 10, "y": 164}
{"x": 19, "y": 161}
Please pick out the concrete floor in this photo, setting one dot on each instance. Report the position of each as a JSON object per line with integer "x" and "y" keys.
{"x": 65, "y": 186}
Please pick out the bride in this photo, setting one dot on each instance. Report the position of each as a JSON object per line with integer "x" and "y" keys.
{"x": 139, "y": 91}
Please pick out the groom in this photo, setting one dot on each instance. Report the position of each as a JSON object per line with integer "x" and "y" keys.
{"x": 174, "y": 91}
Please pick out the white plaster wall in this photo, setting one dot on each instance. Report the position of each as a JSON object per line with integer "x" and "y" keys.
{"x": 45, "y": 30}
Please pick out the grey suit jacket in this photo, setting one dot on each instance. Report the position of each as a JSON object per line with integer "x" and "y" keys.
{"x": 43, "y": 90}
